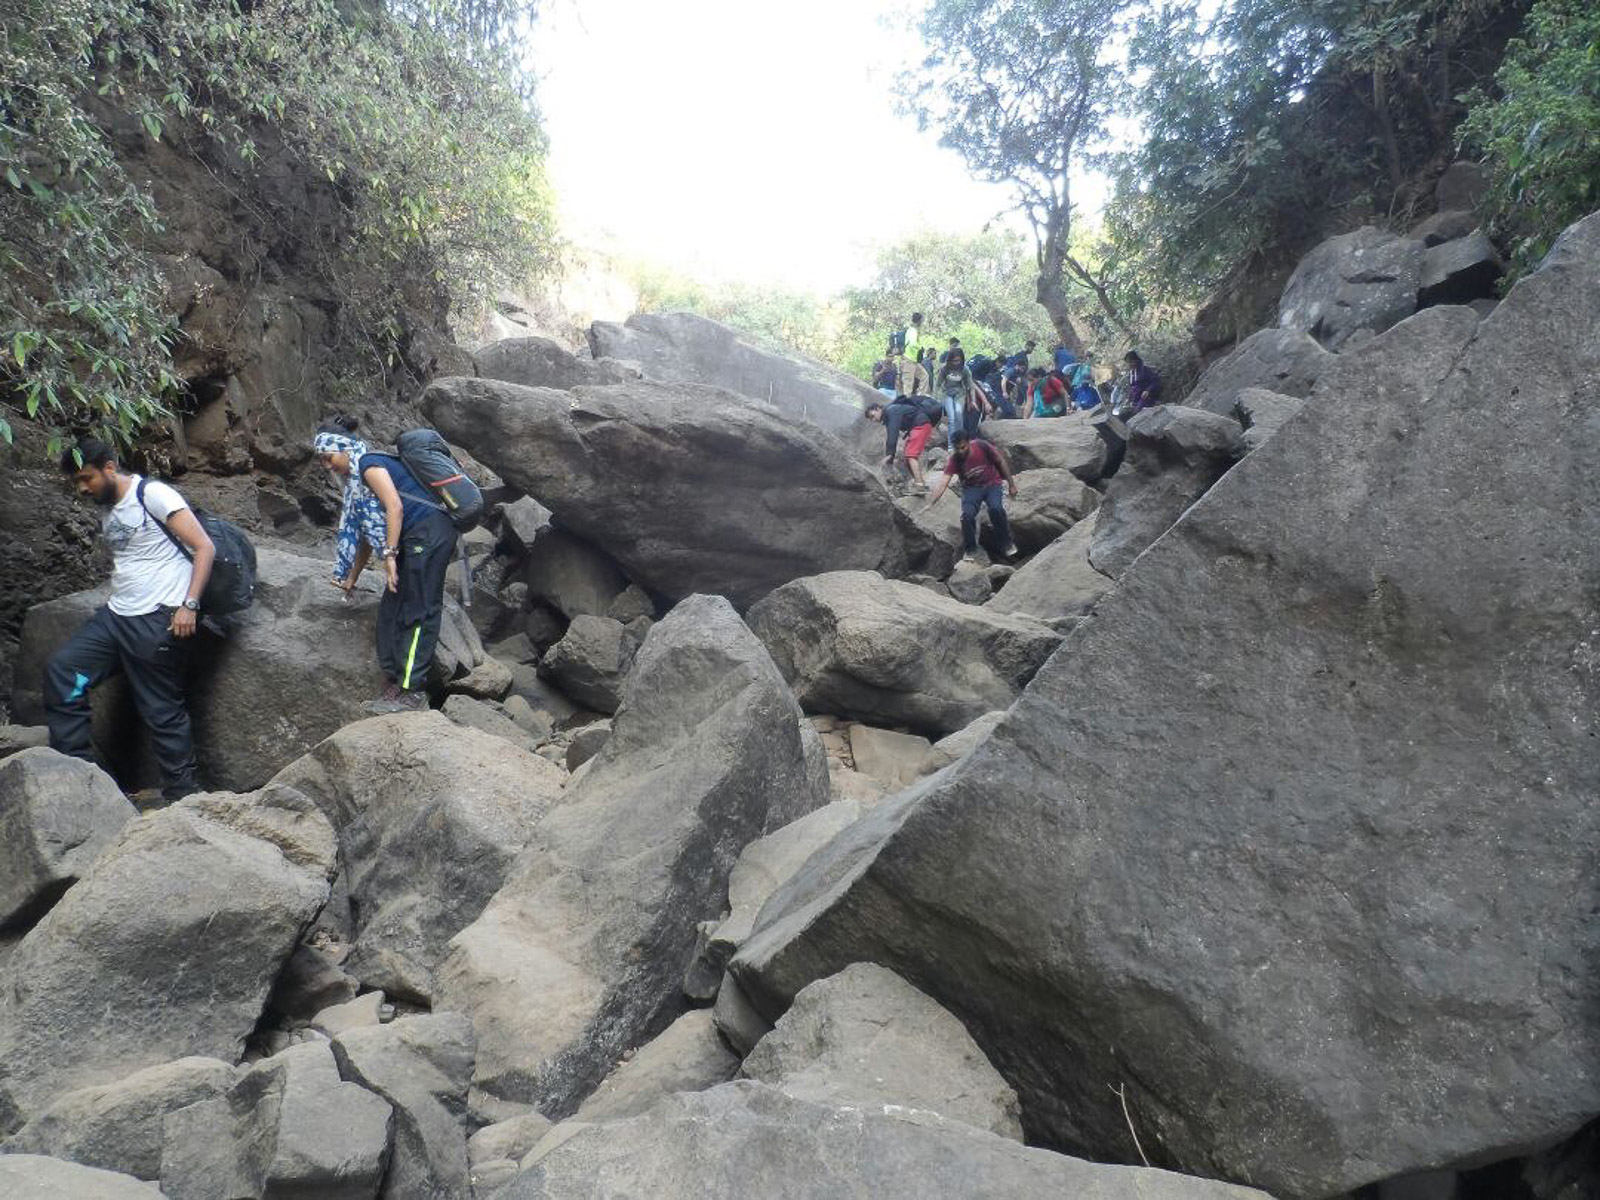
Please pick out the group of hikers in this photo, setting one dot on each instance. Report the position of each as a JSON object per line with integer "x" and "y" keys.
{"x": 924, "y": 388}
{"x": 162, "y": 559}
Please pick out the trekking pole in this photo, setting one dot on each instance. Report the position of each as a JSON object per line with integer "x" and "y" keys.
{"x": 466, "y": 574}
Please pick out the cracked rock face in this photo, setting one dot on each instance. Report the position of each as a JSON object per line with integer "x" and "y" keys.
{"x": 1366, "y": 280}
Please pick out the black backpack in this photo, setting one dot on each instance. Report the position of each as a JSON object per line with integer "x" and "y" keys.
{"x": 231, "y": 586}
{"x": 897, "y": 342}
{"x": 427, "y": 456}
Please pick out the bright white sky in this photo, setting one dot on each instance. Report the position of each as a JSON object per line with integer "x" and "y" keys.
{"x": 743, "y": 139}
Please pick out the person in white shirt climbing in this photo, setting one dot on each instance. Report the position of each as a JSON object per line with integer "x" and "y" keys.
{"x": 146, "y": 627}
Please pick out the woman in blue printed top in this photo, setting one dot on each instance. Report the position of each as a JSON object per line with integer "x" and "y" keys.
{"x": 387, "y": 512}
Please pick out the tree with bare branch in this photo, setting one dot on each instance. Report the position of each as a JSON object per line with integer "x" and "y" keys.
{"x": 1022, "y": 90}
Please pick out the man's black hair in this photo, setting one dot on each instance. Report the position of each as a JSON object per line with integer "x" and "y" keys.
{"x": 873, "y": 409}
{"x": 955, "y": 341}
{"x": 87, "y": 452}
{"x": 916, "y": 318}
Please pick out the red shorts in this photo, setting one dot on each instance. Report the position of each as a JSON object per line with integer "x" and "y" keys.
{"x": 917, "y": 440}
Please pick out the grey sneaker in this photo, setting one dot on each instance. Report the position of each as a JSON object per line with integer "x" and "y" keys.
{"x": 415, "y": 701}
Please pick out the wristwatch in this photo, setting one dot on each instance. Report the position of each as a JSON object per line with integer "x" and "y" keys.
{"x": 192, "y": 605}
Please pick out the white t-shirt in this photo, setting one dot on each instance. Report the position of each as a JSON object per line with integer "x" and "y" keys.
{"x": 147, "y": 570}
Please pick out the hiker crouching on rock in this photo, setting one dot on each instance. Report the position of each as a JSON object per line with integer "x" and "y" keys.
{"x": 388, "y": 512}
{"x": 917, "y": 414}
{"x": 983, "y": 468}
{"x": 160, "y": 561}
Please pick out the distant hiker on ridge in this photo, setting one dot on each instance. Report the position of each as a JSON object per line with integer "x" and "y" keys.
{"x": 146, "y": 627}
{"x": 1144, "y": 384}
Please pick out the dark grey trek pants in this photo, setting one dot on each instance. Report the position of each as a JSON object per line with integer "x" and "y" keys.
{"x": 156, "y": 664}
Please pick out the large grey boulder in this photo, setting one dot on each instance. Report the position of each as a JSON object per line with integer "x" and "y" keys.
{"x": 1266, "y": 411}
{"x": 1047, "y": 504}
{"x": 543, "y": 362}
{"x": 1460, "y": 271}
{"x": 689, "y": 488}
{"x": 854, "y": 644}
{"x": 57, "y": 814}
{"x": 582, "y": 952}
{"x": 687, "y": 1056}
{"x": 1059, "y": 581}
{"x": 590, "y": 663}
{"x": 683, "y": 347}
{"x": 1281, "y": 874}
{"x": 748, "y": 1139}
{"x": 298, "y": 667}
{"x": 117, "y": 1126}
{"x": 166, "y": 949}
{"x": 867, "y": 1038}
{"x": 1175, "y": 454}
{"x": 1366, "y": 280}
{"x": 430, "y": 817}
{"x": 289, "y": 1126}
{"x": 37, "y": 1177}
{"x": 571, "y": 576}
{"x": 423, "y": 1067}
{"x": 762, "y": 866}
{"x": 1066, "y": 443}
{"x": 1285, "y": 361}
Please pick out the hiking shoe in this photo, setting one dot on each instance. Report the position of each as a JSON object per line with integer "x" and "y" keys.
{"x": 415, "y": 701}
{"x": 1010, "y": 551}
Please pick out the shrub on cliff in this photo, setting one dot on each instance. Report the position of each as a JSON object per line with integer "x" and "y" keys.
{"x": 431, "y": 154}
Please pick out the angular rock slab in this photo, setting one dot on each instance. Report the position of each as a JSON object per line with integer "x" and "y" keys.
{"x": 691, "y": 489}
{"x": 166, "y": 949}
{"x": 1048, "y": 503}
{"x": 117, "y": 1126}
{"x": 1285, "y": 361}
{"x": 298, "y": 667}
{"x": 867, "y": 1038}
{"x": 1366, "y": 280}
{"x": 1066, "y": 443}
{"x": 1057, "y": 582}
{"x": 581, "y": 953}
{"x": 1279, "y": 878}
{"x": 747, "y": 1139}
{"x": 687, "y": 1056}
{"x": 288, "y": 1127}
{"x": 423, "y": 1067}
{"x": 430, "y": 817}
{"x": 590, "y": 663}
{"x": 1175, "y": 453}
{"x": 857, "y": 645}
{"x": 543, "y": 362}
{"x": 57, "y": 814}
{"x": 39, "y": 1178}
{"x": 685, "y": 347}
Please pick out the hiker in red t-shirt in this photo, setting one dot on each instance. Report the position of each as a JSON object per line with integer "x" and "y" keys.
{"x": 983, "y": 468}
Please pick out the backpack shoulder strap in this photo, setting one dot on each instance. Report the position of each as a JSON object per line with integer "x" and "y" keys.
{"x": 171, "y": 537}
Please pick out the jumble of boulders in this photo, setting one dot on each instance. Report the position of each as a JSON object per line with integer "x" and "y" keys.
{"x": 1234, "y": 840}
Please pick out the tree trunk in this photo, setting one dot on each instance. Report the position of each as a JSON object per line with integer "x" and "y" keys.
{"x": 1051, "y": 287}
{"x": 1052, "y": 296}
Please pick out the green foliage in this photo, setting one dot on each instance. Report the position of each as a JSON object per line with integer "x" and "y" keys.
{"x": 416, "y": 120}
{"x": 780, "y": 317}
{"x": 1260, "y": 117}
{"x": 1540, "y": 132}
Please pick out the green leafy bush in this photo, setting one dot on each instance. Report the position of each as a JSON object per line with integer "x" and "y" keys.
{"x": 415, "y": 119}
{"x": 1540, "y": 130}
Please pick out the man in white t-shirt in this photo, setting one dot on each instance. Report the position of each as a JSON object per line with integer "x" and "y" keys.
{"x": 145, "y": 628}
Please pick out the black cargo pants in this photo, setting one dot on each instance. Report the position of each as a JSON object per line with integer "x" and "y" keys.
{"x": 408, "y": 620}
{"x": 157, "y": 666}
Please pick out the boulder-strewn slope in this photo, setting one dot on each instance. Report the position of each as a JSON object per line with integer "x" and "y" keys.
{"x": 1314, "y": 874}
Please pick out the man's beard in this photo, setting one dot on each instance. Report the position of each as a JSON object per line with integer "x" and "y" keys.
{"x": 105, "y": 497}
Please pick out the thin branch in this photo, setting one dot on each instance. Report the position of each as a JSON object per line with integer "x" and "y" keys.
{"x": 1121, "y": 1091}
